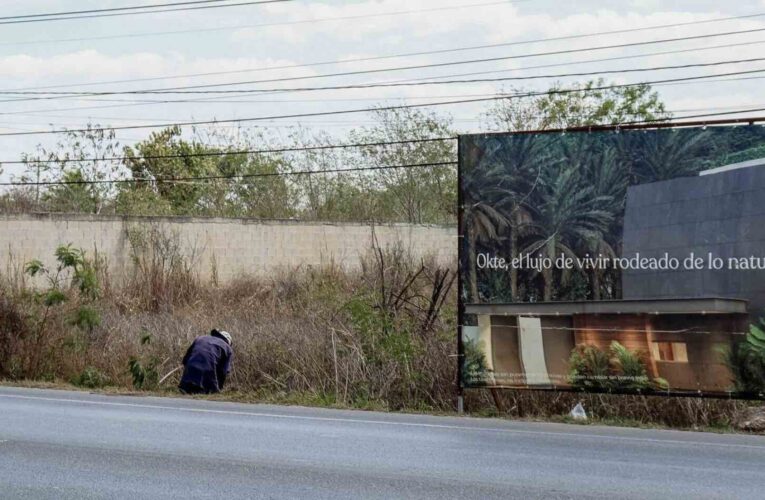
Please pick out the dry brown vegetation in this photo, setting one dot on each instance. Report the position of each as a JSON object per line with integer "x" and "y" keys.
{"x": 648, "y": 411}
{"x": 378, "y": 336}
{"x": 382, "y": 336}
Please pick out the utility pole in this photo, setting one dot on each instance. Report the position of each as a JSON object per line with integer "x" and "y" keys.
{"x": 37, "y": 188}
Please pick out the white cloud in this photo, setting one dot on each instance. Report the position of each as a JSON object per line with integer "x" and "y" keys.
{"x": 92, "y": 64}
{"x": 86, "y": 63}
{"x": 287, "y": 45}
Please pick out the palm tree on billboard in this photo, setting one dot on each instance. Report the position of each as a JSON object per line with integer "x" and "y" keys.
{"x": 567, "y": 211}
{"x": 607, "y": 174}
{"x": 481, "y": 222}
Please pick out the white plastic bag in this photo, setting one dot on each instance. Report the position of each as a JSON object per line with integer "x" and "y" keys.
{"x": 578, "y": 412}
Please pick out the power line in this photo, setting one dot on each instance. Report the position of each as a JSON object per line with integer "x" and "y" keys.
{"x": 24, "y": 20}
{"x": 264, "y": 25}
{"x": 112, "y": 9}
{"x": 330, "y": 122}
{"x": 194, "y": 179}
{"x": 216, "y": 100}
{"x": 721, "y": 80}
{"x": 394, "y": 84}
{"x": 709, "y": 115}
{"x": 739, "y": 109}
{"x": 431, "y": 65}
{"x": 230, "y": 99}
{"x": 437, "y": 65}
{"x": 389, "y": 108}
{"x": 420, "y": 83}
{"x": 392, "y": 56}
{"x": 588, "y": 61}
{"x": 237, "y": 152}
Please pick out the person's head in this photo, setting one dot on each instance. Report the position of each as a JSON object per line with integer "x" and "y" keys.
{"x": 221, "y": 335}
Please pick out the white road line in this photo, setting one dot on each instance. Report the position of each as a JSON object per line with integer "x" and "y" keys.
{"x": 389, "y": 423}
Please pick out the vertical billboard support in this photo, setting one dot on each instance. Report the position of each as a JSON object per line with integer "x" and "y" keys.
{"x": 460, "y": 301}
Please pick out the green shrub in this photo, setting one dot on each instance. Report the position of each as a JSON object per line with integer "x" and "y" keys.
{"x": 589, "y": 367}
{"x": 616, "y": 369}
{"x": 145, "y": 376}
{"x": 90, "y": 377}
{"x": 86, "y": 318}
{"x": 629, "y": 367}
{"x": 74, "y": 280}
{"x": 746, "y": 360}
{"x": 475, "y": 368}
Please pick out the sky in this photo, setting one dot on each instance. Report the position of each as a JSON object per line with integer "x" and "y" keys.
{"x": 245, "y": 41}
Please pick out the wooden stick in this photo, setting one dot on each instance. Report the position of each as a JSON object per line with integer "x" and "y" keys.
{"x": 170, "y": 373}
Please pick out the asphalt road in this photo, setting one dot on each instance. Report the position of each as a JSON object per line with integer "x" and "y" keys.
{"x": 61, "y": 444}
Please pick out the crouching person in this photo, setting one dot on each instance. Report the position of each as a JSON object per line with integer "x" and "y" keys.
{"x": 207, "y": 363}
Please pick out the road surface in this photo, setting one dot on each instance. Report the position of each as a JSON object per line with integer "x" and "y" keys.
{"x": 62, "y": 444}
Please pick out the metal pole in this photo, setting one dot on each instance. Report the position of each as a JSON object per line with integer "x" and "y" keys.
{"x": 460, "y": 284}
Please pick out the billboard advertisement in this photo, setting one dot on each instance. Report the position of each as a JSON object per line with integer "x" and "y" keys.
{"x": 614, "y": 260}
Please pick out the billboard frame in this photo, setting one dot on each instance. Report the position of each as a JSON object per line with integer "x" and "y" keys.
{"x": 669, "y": 124}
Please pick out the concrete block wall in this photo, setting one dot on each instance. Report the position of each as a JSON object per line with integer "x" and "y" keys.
{"x": 234, "y": 247}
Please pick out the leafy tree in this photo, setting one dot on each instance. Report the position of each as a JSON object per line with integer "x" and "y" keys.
{"x": 73, "y": 275}
{"x": 179, "y": 159}
{"x": 416, "y": 195}
{"x": 566, "y": 211}
{"x": 79, "y": 156}
{"x": 667, "y": 154}
{"x": 561, "y": 195}
{"x": 481, "y": 222}
{"x": 259, "y": 192}
{"x": 499, "y": 193}
{"x": 327, "y": 196}
{"x": 76, "y": 196}
{"x": 588, "y": 104}
{"x": 607, "y": 173}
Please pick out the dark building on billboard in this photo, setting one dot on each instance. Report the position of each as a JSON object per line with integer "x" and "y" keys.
{"x": 720, "y": 212}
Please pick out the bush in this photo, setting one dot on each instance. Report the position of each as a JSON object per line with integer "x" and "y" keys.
{"x": 589, "y": 367}
{"x": 746, "y": 360}
{"x": 163, "y": 275}
{"x": 145, "y": 376}
{"x": 37, "y": 321}
{"x": 615, "y": 369}
{"x": 475, "y": 367}
{"x": 13, "y": 332}
{"x": 91, "y": 378}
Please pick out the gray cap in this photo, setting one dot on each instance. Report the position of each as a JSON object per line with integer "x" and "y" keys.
{"x": 222, "y": 334}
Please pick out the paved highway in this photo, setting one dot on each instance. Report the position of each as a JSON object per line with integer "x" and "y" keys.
{"x": 61, "y": 445}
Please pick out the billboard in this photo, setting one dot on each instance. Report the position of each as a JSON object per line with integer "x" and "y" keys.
{"x": 616, "y": 260}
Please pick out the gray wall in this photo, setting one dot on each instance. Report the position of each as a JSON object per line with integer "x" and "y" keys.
{"x": 234, "y": 247}
{"x": 722, "y": 213}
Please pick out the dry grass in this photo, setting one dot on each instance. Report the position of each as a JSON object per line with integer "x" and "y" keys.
{"x": 643, "y": 411}
{"x": 380, "y": 337}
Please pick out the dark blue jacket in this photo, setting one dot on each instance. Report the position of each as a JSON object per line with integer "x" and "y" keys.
{"x": 206, "y": 364}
